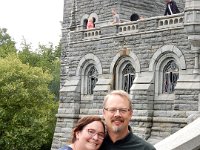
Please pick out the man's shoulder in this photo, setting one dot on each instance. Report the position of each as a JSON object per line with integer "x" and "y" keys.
{"x": 131, "y": 141}
{"x": 142, "y": 143}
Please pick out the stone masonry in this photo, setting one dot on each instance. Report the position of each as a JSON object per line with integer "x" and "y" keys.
{"x": 148, "y": 45}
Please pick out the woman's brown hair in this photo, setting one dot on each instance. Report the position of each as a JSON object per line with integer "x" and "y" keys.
{"x": 83, "y": 122}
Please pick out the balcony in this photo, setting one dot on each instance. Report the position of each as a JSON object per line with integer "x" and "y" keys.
{"x": 106, "y": 30}
{"x": 171, "y": 21}
{"x": 92, "y": 33}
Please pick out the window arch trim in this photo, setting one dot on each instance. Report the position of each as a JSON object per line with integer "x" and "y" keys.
{"x": 132, "y": 57}
{"x": 165, "y": 50}
{"x": 84, "y": 17}
{"x": 89, "y": 58}
{"x": 85, "y": 62}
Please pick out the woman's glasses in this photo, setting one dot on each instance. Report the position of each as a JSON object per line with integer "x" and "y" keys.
{"x": 93, "y": 132}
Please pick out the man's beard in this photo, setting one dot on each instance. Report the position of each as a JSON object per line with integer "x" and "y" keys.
{"x": 117, "y": 129}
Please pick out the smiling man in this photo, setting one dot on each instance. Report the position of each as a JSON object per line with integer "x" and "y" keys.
{"x": 117, "y": 112}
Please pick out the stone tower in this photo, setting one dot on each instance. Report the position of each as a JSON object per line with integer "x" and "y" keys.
{"x": 75, "y": 11}
{"x": 156, "y": 60}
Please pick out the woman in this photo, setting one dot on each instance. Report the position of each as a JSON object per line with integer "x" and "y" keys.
{"x": 90, "y": 23}
{"x": 88, "y": 134}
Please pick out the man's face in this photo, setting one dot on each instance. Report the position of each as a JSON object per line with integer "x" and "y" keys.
{"x": 117, "y": 121}
{"x": 113, "y": 12}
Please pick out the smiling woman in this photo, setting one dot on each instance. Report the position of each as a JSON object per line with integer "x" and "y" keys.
{"x": 35, "y": 21}
{"x": 88, "y": 134}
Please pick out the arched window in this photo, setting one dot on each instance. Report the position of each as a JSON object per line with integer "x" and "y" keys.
{"x": 128, "y": 75}
{"x": 95, "y": 18}
{"x": 170, "y": 77}
{"x": 92, "y": 77}
{"x": 94, "y": 21}
{"x": 85, "y": 23}
{"x": 124, "y": 74}
{"x": 89, "y": 69}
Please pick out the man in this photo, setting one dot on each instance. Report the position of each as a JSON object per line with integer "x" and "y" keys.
{"x": 117, "y": 112}
{"x": 171, "y": 8}
{"x": 115, "y": 16}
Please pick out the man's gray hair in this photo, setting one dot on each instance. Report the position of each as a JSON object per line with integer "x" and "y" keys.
{"x": 120, "y": 93}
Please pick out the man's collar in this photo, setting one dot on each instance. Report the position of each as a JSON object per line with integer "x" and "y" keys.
{"x": 129, "y": 128}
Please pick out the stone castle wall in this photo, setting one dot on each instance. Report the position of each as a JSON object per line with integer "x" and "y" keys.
{"x": 125, "y": 9}
{"x": 146, "y": 43}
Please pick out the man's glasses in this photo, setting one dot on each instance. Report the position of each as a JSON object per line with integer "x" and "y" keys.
{"x": 93, "y": 132}
{"x": 114, "y": 110}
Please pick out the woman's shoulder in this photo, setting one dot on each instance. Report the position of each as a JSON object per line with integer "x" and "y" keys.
{"x": 65, "y": 148}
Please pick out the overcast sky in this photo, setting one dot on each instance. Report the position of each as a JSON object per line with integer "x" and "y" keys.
{"x": 38, "y": 21}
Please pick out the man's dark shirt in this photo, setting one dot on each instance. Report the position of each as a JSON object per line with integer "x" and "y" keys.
{"x": 173, "y": 7}
{"x": 130, "y": 142}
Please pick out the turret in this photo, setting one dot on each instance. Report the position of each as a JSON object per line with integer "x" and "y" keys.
{"x": 192, "y": 27}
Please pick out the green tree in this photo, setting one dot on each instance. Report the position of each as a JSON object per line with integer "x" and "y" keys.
{"x": 27, "y": 56}
{"x": 27, "y": 107}
{"x": 7, "y": 45}
{"x": 48, "y": 58}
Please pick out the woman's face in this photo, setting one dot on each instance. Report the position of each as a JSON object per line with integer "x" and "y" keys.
{"x": 91, "y": 137}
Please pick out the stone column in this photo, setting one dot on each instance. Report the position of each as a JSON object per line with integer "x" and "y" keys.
{"x": 192, "y": 27}
{"x": 68, "y": 112}
{"x": 73, "y": 16}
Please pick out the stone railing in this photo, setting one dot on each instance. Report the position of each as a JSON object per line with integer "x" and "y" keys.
{"x": 91, "y": 34}
{"x": 144, "y": 25}
{"x": 128, "y": 27}
{"x": 187, "y": 138}
{"x": 171, "y": 21}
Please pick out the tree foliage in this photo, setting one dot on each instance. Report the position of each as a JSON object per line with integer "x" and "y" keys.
{"x": 27, "y": 106}
{"x": 48, "y": 58}
{"x": 7, "y": 46}
{"x": 29, "y": 84}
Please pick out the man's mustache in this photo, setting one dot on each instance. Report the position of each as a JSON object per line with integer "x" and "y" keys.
{"x": 117, "y": 119}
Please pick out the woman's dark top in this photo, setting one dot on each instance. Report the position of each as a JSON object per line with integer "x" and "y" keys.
{"x": 66, "y": 147}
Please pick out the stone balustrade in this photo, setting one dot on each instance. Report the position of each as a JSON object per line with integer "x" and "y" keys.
{"x": 187, "y": 138}
{"x": 171, "y": 21}
{"x": 145, "y": 25}
{"x": 127, "y": 27}
{"x": 92, "y": 33}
